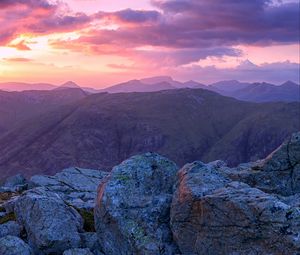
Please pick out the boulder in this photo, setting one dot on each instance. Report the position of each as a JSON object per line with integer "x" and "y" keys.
{"x": 279, "y": 173}
{"x": 51, "y": 225}
{"x": 12, "y": 245}
{"x": 11, "y": 228}
{"x": 90, "y": 240}
{"x": 16, "y": 183}
{"x": 78, "y": 252}
{"x": 210, "y": 214}
{"x": 12, "y": 181}
{"x": 76, "y": 186}
{"x": 133, "y": 206}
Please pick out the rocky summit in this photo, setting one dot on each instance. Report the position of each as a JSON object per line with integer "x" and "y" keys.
{"x": 148, "y": 206}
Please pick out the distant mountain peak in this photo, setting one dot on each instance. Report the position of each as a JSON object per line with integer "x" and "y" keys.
{"x": 289, "y": 83}
{"x": 247, "y": 64}
{"x": 70, "y": 84}
{"x": 157, "y": 79}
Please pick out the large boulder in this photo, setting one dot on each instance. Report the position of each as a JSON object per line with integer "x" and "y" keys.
{"x": 12, "y": 245}
{"x": 76, "y": 186}
{"x": 279, "y": 173}
{"x": 51, "y": 225}
{"x": 133, "y": 206}
{"x": 212, "y": 215}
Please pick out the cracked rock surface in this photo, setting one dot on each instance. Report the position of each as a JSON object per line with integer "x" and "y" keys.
{"x": 50, "y": 224}
{"x": 76, "y": 186}
{"x": 253, "y": 209}
{"x": 132, "y": 210}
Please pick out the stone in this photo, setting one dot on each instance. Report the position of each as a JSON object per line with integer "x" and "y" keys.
{"x": 11, "y": 228}
{"x": 210, "y": 214}
{"x": 78, "y": 252}
{"x": 15, "y": 180}
{"x": 90, "y": 240}
{"x": 76, "y": 186}
{"x": 50, "y": 224}
{"x": 12, "y": 245}
{"x": 133, "y": 204}
{"x": 279, "y": 173}
{"x": 10, "y": 204}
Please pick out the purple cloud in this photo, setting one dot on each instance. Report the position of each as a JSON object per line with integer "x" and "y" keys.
{"x": 37, "y": 17}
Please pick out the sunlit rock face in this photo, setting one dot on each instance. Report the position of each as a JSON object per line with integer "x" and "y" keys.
{"x": 214, "y": 211}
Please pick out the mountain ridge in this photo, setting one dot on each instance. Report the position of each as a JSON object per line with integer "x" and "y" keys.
{"x": 101, "y": 130}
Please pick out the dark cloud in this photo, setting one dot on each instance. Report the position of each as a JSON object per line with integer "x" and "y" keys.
{"x": 130, "y": 16}
{"x": 31, "y": 3}
{"x": 195, "y": 27}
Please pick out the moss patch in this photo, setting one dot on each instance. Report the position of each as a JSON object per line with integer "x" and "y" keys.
{"x": 8, "y": 217}
{"x": 88, "y": 219}
{"x": 122, "y": 177}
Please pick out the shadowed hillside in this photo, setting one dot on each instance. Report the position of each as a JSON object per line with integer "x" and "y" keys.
{"x": 16, "y": 107}
{"x": 188, "y": 124}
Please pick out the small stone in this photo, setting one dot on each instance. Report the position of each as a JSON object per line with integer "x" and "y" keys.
{"x": 11, "y": 228}
{"x": 12, "y": 245}
{"x": 78, "y": 252}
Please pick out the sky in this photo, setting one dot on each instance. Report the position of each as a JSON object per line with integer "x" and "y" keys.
{"x": 102, "y": 42}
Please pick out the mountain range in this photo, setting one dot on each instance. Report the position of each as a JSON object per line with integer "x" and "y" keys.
{"x": 16, "y": 107}
{"x": 69, "y": 127}
{"x": 253, "y": 92}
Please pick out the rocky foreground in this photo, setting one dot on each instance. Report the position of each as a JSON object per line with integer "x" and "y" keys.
{"x": 146, "y": 205}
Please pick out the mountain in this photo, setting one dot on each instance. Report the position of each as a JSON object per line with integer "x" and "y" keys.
{"x": 139, "y": 86}
{"x": 225, "y": 87}
{"x": 69, "y": 85}
{"x": 153, "y": 84}
{"x": 73, "y": 85}
{"x": 195, "y": 85}
{"x": 101, "y": 130}
{"x": 265, "y": 92}
{"x": 20, "y": 86}
{"x": 16, "y": 107}
{"x": 160, "y": 79}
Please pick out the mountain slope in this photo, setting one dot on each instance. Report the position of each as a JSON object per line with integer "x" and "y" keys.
{"x": 21, "y": 86}
{"x": 138, "y": 86}
{"x": 16, "y": 107}
{"x": 225, "y": 87}
{"x": 185, "y": 125}
{"x": 264, "y": 92}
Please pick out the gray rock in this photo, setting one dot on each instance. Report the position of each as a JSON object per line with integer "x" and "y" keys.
{"x": 10, "y": 204}
{"x": 14, "y": 181}
{"x": 76, "y": 186}
{"x": 132, "y": 211}
{"x": 11, "y": 245}
{"x": 212, "y": 215}
{"x": 90, "y": 240}
{"x": 78, "y": 252}
{"x": 11, "y": 228}
{"x": 51, "y": 225}
{"x": 279, "y": 173}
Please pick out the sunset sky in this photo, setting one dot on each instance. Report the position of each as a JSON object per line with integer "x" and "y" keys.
{"x": 101, "y": 42}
